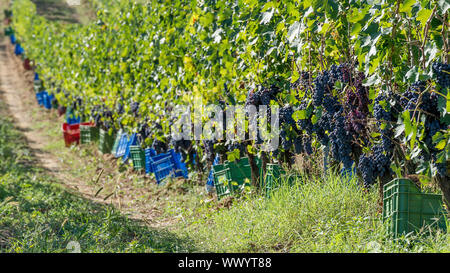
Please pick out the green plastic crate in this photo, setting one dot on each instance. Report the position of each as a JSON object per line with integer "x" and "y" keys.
{"x": 89, "y": 134}
{"x": 117, "y": 138}
{"x": 8, "y": 31}
{"x": 275, "y": 177}
{"x": 408, "y": 209}
{"x": 234, "y": 176}
{"x": 222, "y": 183}
{"x": 106, "y": 141}
{"x": 85, "y": 134}
{"x": 137, "y": 155}
{"x": 240, "y": 170}
{"x": 95, "y": 133}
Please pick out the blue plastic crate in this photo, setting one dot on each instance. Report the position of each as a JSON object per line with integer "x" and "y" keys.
{"x": 131, "y": 142}
{"x": 122, "y": 145}
{"x": 210, "y": 181}
{"x": 163, "y": 168}
{"x": 71, "y": 118}
{"x": 150, "y": 158}
{"x": 180, "y": 167}
{"x": 40, "y": 96}
{"x": 13, "y": 39}
{"x": 19, "y": 50}
{"x": 149, "y": 153}
{"x": 48, "y": 99}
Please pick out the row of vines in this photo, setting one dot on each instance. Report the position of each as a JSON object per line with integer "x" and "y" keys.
{"x": 364, "y": 83}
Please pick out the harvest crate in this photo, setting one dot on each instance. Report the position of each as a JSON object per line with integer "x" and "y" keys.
{"x": 131, "y": 142}
{"x": 179, "y": 166}
{"x": 222, "y": 183}
{"x": 27, "y": 64}
{"x": 210, "y": 182}
{"x": 409, "y": 210}
{"x": 18, "y": 50}
{"x": 40, "y": 97}
{"x": 275, "y": 177}
{"x": 8, "y": 31}
{"x": 230, "y": 177}
{"x": 162, "y": 168}
{"x": 106, "y": 141}
{"x": 137, "y": 155}
{"x": 48, "y": 100}
{"x": 71, "y": 118}
{"x": 71, "y": 134}
{"x": 86, "y": 129}
{"x": 120, "y": 145}
{"x": 95, "y": 133}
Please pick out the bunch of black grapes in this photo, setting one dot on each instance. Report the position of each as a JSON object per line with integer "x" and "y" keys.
{"x": 383, "y": 114}
{"x": 262, "y": 95}
{"x": 144, "y": 132}
{"x": 442, "y": 74}
{"x": 341, "y": 141}
{"x": 323, "y": 84}
{"x": 208, "y": 146}
{"x": 374, "y": 165}
{"x": 134, "y": 108}
{"x": 159, "y": 146}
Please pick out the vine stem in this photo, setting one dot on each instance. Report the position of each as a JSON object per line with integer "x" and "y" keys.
{"x": 445, "y": 38}
{"x": 425, "y": 35}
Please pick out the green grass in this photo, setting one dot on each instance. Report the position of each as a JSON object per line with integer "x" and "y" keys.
{"x": 321, "y": 215}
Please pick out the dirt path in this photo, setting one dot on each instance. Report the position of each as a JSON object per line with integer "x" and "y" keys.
{"x": 14, "y": 85}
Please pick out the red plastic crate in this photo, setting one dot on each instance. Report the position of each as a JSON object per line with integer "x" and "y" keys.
{"x": 27, "y": 64}
{"x": 71, "y": 134}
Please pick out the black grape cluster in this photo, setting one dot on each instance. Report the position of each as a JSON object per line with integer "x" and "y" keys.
{"x": 307, "y": 145}
{"x": 95, "y": 114}
{"x": 262, "y": 96}
{"x": 410, "y": 99}
{"x": 237, "y": 145}
{"x": 298, "y": 145}
{"x": 341, "y": 141}
{"x": 77, "y": 103}
{"x": 302, "y": 83}
{"x": 381, "y": 109}
{"x": 322, "y": 126}
{"x": 305, "y": 124}
{"x": 442, "y": 74}
{"x": 366, "y": 166}
{"x": 134, "y": 108}
{"x": 382, "y": 160}
{"x": 144, "y": 132}
{"x": 374, "y": 165}
{"x": 287, "y": 122}
{"x": 209, "y": 150}
{"x": 107, "y": 119}
{"x": 341, "y": 72}
{"x": 331, "y": 104}
{"x": 357, "y": 101}
{"x": 323, "y": 84}
{"x": 120, "y": 109}
{"x": 383, "y": 114}
{"x": 159, "y": 146}
{"x": 286, "y": 113}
